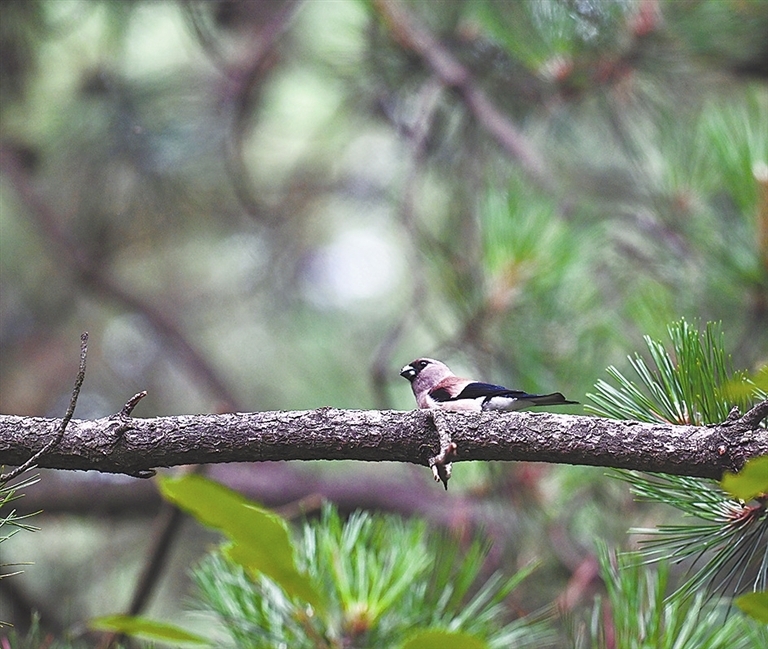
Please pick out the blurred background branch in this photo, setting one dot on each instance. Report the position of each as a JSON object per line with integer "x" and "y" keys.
{"x": 90, "y": 273}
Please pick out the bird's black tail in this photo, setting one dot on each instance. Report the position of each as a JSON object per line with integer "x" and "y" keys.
{"x": 554, "y": 399}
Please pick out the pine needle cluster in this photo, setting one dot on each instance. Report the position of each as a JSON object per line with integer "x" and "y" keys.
{"x": 726, "y": 550}
{"x": 382, "y": 578}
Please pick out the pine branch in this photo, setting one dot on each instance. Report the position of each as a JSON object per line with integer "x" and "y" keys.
{"x": 121, "y": 444}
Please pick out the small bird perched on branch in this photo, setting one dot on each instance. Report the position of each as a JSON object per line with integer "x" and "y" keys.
{"x": 436, "y": 387}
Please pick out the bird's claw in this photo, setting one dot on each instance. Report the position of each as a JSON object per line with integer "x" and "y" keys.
{"x": 441, "y": 464}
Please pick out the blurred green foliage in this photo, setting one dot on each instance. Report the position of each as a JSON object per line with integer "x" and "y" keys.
{"x": 148, "y": 630}
{"x": 381, "y": 581}
{"x": 749, "y": 483}
{"x": 385, "y": 582}
{"x": 643, "y": 616}
{"x": 11, "y": 523}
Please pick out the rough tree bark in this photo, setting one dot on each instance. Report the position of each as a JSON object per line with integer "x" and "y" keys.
{"x": 122, "y": 444}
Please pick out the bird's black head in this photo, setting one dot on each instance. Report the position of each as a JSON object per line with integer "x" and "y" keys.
{"x": 412, "y": 370}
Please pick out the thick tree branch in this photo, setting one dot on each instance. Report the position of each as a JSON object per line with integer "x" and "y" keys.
{"x": 135, "y": 446}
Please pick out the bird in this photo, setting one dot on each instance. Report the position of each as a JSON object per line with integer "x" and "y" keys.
{"x": 435, "y": 386}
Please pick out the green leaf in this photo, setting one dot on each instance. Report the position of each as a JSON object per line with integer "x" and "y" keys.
{"x": 145, "y": 629}
{"x": 443, "y": 640}
{"x": 755, "y": 605}
{"x": 260, "y": 539}
{"x": 750, "y": 482}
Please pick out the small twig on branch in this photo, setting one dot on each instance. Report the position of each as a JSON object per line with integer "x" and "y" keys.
{"x": 7, "y": 477}
{"x": 753, "y": 417}
{"x": 132, "y": 403}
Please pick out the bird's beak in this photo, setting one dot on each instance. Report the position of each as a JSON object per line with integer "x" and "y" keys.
{"x": 408, "y": 372}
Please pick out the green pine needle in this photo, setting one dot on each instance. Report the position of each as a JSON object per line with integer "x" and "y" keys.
{"x": 727, "y": 551}
{"x": 694, "y": 384}
{"x": 381, "y": 578}
{"x": 637, "y": 615}
{"x": 11, "y": 523}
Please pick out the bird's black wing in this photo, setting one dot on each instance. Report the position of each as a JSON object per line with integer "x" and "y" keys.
{"x": 488, "y": 391}
{"x": 477, "y": 390}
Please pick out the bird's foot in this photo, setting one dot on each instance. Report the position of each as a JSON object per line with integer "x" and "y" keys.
{"x": 441, "y": 463}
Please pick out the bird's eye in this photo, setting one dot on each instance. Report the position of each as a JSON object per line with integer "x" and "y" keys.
{"x": 422, "y": 364}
